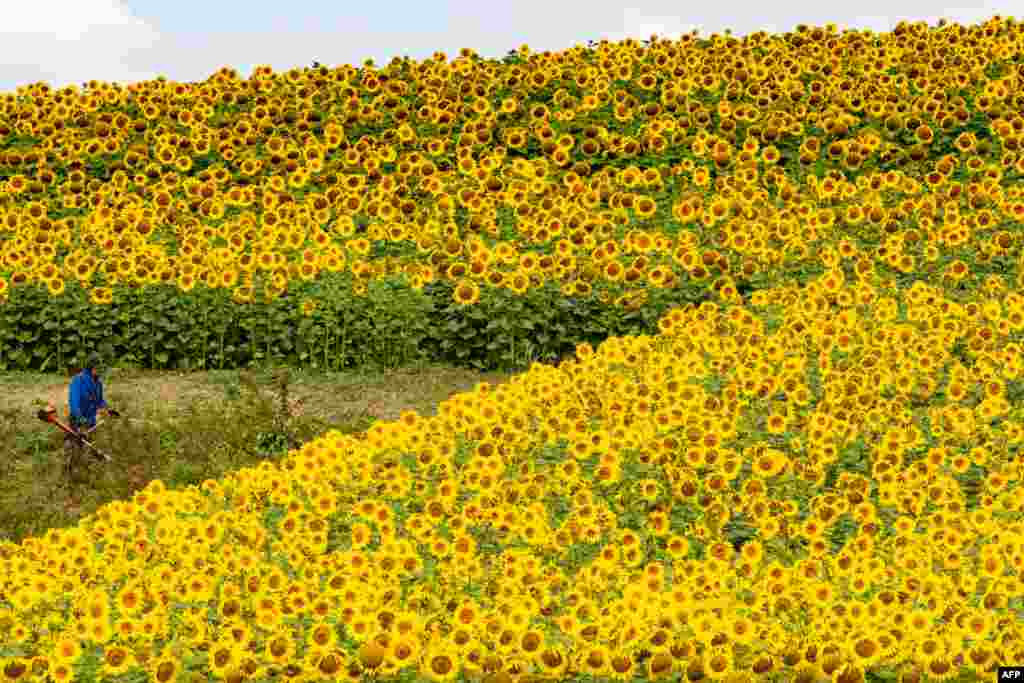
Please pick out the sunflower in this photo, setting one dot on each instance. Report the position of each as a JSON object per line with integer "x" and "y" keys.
{"x": 61, "y": 672}
{"x": 16, "y": 669}
{"x": 980, "y": 656}
{"x": 97, "y": 608}
{"x": 439, "y": 664}
{"x": 660, "y": 665}
{"x": 645, "y": 207}
{"x": 117, "y": 659}
{"x": 67, "y": 649}
{"x": 769, "y": 464}
{"x": 462, "y": 639}
{"x": 957, "y": 270}
{"x": 595, "y": 660}
{"x": 991, "y": 566}
{"x": 864, "y": 650}
{"x": 517, "y": 281}
{"x": 659, "y": 276}
{"x": 741, "y": 629}
{"x": 244, "y": 294}
{"x": 979, "y": 625}
{"x": 552, "y": 661}
{"x": 280, "y": 649}
{"x": 186, "y": 282}
{"x": 941, "y": 667}
{"x": 930, "y": 649}
{"x": 323, "y": 635}
{"x": 223, "y": 658}
{"x": 456, "y": 270}
{"x": 20, "y": 277}
{"x": 613, "y": 271}
{"x": 129, "y": 599}
{"x": 404, "y": 651}
{"x": 776, "y": 424}
{"x": 620, "y": 667}
{"x": 678, "y": 546}
{"x": 466, "y": 293}
{"x": 228, "y": 278}
{"x": 237, "y": 630}
{"x": 330, "y": 664}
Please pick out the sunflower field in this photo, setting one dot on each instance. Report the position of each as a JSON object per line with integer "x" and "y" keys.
{"x": 786, "y": 445}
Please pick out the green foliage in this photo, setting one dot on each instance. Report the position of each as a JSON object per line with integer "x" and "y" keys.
{"x": 159, "y": 327}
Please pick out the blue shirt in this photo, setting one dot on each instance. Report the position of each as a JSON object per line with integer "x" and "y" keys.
{"x": 85, "y": 398}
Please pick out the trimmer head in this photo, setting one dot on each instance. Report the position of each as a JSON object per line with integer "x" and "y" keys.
{"x": 49, "y": 414}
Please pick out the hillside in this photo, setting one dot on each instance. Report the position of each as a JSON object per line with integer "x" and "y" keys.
{"x": 600, "y": 178}
{"x": 785, "y": 445}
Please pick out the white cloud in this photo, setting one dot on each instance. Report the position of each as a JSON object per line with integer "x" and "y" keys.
{"x": 636, "y": 24}
{"x": 73, "y": 41}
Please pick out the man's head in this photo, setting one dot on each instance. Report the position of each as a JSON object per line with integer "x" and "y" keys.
{"x": 94, "y": 364}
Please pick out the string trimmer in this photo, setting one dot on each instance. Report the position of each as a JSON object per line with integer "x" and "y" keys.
{"x": 49, "y": 414}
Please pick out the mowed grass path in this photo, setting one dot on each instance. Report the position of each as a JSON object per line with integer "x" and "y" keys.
{"x": 186, "y": 427}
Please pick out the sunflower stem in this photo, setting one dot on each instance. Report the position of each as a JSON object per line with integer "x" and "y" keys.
{"x": 206, "y": 333}
{"x": 252, "y": 341}
{"x": 60, "y": 338}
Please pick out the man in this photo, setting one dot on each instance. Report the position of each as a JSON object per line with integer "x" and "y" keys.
{"x": 85, "y": 400}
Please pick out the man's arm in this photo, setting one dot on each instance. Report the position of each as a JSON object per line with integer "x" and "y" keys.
{"x": 75, "y": 398}
{"x": 100, "y": 403}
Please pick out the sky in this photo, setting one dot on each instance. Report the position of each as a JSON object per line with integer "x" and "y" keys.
{"x": 64, "y": 42}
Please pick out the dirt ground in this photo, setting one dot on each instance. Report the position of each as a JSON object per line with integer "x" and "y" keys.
{"x": 329, "y": 396}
